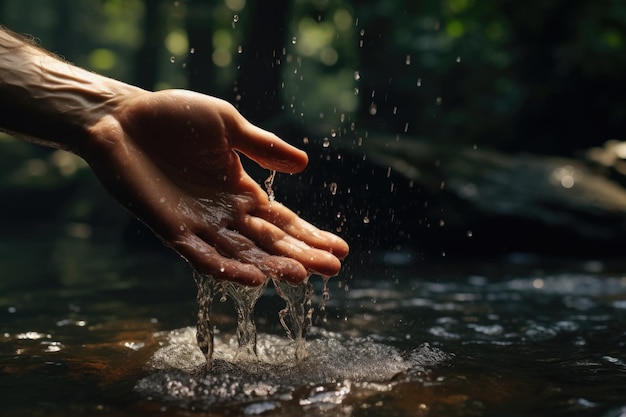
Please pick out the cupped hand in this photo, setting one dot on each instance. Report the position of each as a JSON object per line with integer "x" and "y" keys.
{"x": 171, "y": 159}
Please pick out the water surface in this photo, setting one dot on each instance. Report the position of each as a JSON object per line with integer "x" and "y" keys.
{"x": 90, "y": 326}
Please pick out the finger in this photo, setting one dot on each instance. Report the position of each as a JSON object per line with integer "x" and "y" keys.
{"x": 206, "y": 260}
{"x": 300, "y": 229}
{"x": 277, "y": 241}
{"x": 268, "y": 150}
{"x": 238, "y": 246}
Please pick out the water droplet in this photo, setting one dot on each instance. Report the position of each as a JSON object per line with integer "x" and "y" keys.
{"x": 357, "y": 75}
{"x": 172, "y": 59}
{"x": 294, "y": 40}
{"x": 356, "y": 91}
{"x": 269, "y": 182}
{"x": 333, "y": 188}
{"x": 419, "y": 82}
{"x": 366, "y": 220}
{"x": 373, "y": 109}
{"x": 326, "y": 143}
{"x": 236, "y": 18}
{"x": 438, "y": 100}
{"x": 470, "y": 233}
{"x": 192, "y": 50}
{"x": 239, "y": 49}
{"x": 442, "y": 223}
{"x": 333, "y": 133}
{"x": 458, "y": 59}
{"x": 408, "y": 60}
{"x": 305, "y": 140}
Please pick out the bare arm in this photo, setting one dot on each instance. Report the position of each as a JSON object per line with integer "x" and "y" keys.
{"x": 170, "y": 158}
{"x": 48, "y": 101}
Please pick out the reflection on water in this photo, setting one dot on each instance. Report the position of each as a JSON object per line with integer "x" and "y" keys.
{"x": 90, "y": 328}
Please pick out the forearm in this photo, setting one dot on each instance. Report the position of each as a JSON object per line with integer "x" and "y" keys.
{"x": 48, "y": 101}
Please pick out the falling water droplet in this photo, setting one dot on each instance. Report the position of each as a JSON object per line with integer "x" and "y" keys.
{"x": 373, "y": 109}
{"x": 458, "y": 59}
{"x": 294, "y": 40}
{"x": 239, "y": 49}
{"x": 325, "y": 295}
{"x": 357, "y": 75}
{"x": 470, "y": 233}
{"x": 326, "y": 143}
{"x": 333, "y": 188}
{"x": 333, "y": 133}
{"x": 408, "y": 60}
{"x": 438, "y": 100}
{"x": 172, "y": 59}
{"x": 192, "y": 50}
{"x": 366, "y": 220}
{"x": 268, "y": 185}
{"x": 419, "y": 82}
{"x": 236, "y": 18}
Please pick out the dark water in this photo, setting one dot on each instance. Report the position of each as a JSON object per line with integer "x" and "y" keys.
{"x": 90, "y": 327}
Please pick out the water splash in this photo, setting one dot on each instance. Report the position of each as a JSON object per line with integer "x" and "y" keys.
{"x": 296, "y": 316}
{"x": 204, "y": 330}
{"x": 269, "y": 182}
{"x": 245, "y": 299}
{"x": 338, "y": 371}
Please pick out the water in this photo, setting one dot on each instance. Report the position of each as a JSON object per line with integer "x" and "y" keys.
{"x": 94, "y": 327}
{"x": 295, "y": 317}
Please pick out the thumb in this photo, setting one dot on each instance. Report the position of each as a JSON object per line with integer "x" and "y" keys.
{"x": 268, "y": 150}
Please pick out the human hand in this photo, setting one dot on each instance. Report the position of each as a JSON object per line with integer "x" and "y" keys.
{"x": 170, "y": 158}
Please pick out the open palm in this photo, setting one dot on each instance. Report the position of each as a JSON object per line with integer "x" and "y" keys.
{"x": 170, "y": 158}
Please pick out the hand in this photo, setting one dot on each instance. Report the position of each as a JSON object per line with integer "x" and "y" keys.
{"x": 169, "y": 158}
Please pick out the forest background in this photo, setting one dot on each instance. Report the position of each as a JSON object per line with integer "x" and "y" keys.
{"x": 435, "y": 126}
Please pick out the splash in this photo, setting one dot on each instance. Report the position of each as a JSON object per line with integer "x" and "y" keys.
{"x": 204, "y": 330}
{"x": 269, "y": 182}
{"x": 338, "y": 372}
{"x": 296, "y": 316}
{"x": 245, "y": 299}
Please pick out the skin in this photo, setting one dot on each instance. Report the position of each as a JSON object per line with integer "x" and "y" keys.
{"x": 172, "y": 159}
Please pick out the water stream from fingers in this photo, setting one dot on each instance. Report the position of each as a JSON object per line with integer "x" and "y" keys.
{"x": 295, "y": 317}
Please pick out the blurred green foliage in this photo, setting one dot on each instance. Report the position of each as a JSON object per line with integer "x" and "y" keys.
{"x": 535, "y": 76}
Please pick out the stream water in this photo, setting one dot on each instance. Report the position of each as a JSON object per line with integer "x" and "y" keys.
{"x": 94, "y": 328}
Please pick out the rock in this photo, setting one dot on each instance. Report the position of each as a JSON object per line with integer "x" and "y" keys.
{"x": 485, "y": 201}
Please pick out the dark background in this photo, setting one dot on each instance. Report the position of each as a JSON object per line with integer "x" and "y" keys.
{"x": 435, "y": 128}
